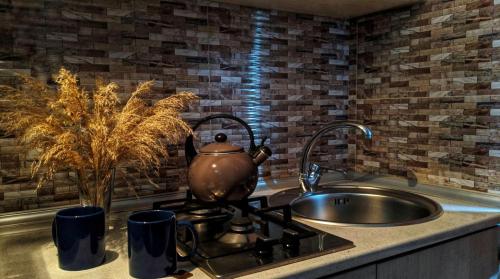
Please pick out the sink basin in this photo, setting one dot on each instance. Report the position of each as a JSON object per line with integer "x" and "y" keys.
{"x": 360, "y": 206}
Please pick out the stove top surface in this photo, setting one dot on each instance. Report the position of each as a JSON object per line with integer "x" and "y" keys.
{"x": 245, "y": 237}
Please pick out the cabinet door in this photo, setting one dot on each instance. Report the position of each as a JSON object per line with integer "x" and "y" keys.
{"x": 367, "y": 272}
{"x": 470, "y": 257}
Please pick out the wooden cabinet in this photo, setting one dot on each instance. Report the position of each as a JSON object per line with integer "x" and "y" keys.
{"x": 470, "y": 257}
{"x": 474, "y": 256}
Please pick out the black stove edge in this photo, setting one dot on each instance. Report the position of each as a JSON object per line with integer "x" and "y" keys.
{"x": 211, "y": 273}
{"x": 277, "y": 264}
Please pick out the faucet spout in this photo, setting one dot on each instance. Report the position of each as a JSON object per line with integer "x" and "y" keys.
{"x": 310, "y": 174}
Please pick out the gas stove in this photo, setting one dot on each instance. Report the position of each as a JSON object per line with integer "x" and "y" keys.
{"x": 244, "y": 237}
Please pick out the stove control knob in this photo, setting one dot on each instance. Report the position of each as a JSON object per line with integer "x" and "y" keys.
{"x": 264, "y": 245}
{"x": 290, "y": 239}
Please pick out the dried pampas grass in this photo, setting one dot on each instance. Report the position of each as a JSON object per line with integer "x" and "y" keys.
{"x": 91, "y": 134}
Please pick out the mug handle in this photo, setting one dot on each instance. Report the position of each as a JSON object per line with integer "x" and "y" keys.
{"x": 54, "y": 237}
{"x": 189, "y": 226}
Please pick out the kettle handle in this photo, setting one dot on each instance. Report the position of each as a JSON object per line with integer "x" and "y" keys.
{"x": 189, "y": 149}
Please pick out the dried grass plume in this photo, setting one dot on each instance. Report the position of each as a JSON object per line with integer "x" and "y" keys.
{"x": 91, "y": 133}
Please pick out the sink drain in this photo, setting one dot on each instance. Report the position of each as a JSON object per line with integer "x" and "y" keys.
{"x": 340, "y": 201}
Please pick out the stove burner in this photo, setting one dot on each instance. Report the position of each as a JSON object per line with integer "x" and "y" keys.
{"x": 210, "y": 223}
{"x": 238, "y": 240}
{"x": 242, "y": 225}
{"x": 241, "y": 233}
{"x": 206, "y": 211}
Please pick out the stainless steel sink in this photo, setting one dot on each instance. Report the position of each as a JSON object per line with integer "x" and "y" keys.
{"x": 360, "y": 206}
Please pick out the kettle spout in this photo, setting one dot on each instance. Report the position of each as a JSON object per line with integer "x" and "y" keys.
{"x": 261, "y": 155}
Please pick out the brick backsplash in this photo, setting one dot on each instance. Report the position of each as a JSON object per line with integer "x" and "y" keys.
{"x": 284, "y": 73}
{"x": 426, "y": 79}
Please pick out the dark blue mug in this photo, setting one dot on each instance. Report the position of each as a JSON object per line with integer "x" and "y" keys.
{"x": 152, "y": 241}
{"x": 78, "y": 234}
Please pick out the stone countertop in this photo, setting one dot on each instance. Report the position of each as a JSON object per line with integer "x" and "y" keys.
{"x": 27, "y": 251}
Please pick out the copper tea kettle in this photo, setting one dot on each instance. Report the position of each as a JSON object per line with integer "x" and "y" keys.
{"x": 221, "y": 171}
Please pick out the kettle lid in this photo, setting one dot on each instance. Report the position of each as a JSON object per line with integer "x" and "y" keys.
{"x": 220, "y": 146}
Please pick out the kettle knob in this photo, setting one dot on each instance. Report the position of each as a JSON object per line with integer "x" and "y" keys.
{"x": 220, "y": 137}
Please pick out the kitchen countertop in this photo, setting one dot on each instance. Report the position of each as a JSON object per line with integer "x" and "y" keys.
{"x": 26, "y": 249}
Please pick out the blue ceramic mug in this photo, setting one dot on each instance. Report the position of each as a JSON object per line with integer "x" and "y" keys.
{"x": 78, "y": 234}
{"x": 152, "y": 243}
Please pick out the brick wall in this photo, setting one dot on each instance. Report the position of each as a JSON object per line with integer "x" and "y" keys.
{"x": 426, "y": 79}
{"x": 284, "y": 73}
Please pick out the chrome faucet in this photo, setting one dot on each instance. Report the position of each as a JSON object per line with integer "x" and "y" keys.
{"x": 310, "y": 174}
